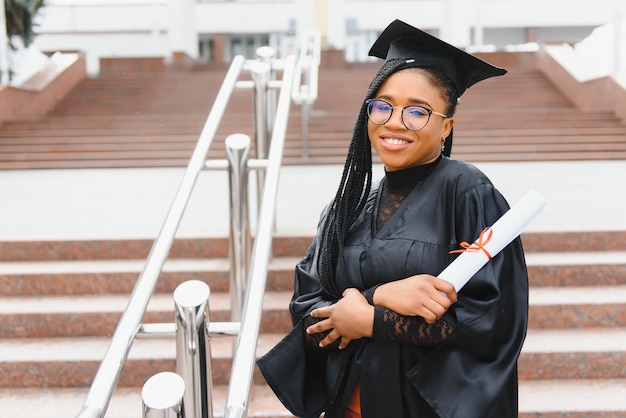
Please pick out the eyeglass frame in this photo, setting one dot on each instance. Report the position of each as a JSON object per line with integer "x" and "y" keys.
{"x": 429, "y": 111}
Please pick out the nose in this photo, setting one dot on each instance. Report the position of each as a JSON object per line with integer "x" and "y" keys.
{"x": 396, "y": 119}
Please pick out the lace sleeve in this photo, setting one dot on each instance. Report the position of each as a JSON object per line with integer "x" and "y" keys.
{"x": 390, "y": 326}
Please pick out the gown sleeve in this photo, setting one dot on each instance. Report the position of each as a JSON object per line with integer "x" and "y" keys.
{"x": 490, "y": 317}
{"x": 305, "y": 380}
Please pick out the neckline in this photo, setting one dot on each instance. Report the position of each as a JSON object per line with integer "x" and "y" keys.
{"x": 399, "y": 179}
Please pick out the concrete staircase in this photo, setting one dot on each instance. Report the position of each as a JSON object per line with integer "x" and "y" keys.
{"x": 61, "y": 301}
{"x": 153, "y": 119}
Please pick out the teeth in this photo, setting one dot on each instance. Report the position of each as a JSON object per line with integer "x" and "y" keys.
{"x": 394, "y": 141}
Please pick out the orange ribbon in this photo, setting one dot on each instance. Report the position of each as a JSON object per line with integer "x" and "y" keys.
{"x": 478, "y": 245}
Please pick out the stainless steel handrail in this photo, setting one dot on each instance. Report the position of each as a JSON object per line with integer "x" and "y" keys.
{"x": 247, "y": 330}
{"x": 305, "y": 84}
{"x": 108, "y": 373}
{"x": 245, "y": 352}
{"x": 308, "y": 63}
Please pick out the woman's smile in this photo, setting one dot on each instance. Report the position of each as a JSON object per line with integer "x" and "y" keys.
{"x": 393, "y": 140}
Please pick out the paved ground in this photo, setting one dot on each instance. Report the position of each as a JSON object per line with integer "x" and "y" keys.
{"x": 132, "y": 203}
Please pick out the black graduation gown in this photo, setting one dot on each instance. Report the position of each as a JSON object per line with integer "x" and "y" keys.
{"x": 473, "y": 373}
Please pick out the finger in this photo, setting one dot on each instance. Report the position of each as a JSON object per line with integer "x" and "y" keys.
{"x": 447, "y": 288}
{"x": 321, "y": 312}
{"x": 429, "y": 317}
{"x": 320, "y": 326}
{"x": 440, "y": 306}
{"x": 442, "y": 300}
{"x": 348, "y": 291}
{"x": 344, "y": 343}
{"x": 330, "y": 339}
{"x": 433, "y": 311}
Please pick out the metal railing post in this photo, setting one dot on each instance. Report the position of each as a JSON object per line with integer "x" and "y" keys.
{"x": 260, "y": 73}
{"x": 193, "y": 350}
{"x": 162, "y": 396}
{"x": 305, "y": 118}
{"x": 237, "y": 151}
{"x": 266, "y": 54}
{"x": 305, "y": 84}
{"x": 244, "y": 359}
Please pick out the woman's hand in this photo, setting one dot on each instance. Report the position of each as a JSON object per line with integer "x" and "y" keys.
{"x": 349, "y": 319}
{"x": 421, "y": 295}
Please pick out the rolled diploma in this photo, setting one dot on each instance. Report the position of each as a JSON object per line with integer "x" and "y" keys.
{"x": 504, "y": 230}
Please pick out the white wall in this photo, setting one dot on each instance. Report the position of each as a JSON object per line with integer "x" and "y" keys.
{"x": 159, "y": 27}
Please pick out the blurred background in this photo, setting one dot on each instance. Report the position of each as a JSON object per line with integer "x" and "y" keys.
{"x": 217, "y": 30}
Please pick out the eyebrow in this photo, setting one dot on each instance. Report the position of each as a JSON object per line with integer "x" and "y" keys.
{"x": 418, "y": 102}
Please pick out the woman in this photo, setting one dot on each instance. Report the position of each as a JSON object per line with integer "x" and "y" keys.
{"x": 376, "y": 333}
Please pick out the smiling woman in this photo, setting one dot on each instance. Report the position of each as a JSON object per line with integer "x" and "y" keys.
{"x": 376, "y": 332}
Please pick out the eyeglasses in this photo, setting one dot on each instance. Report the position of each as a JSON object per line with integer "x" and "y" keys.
{"x": 413, "y": 117}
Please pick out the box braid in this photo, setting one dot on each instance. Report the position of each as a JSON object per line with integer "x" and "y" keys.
{"x": 356, "y": 180}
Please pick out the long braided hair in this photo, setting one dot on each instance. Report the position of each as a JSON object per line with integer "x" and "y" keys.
{"x": 356, "y": 181}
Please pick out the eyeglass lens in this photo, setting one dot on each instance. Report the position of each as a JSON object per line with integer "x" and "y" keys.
{"x": 413, "y": 117}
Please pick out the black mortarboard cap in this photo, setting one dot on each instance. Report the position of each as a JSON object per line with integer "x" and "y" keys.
{"x": 401, "y": 40}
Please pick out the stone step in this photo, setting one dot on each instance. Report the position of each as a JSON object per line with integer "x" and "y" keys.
{"x": 283, "y": 244}
{"x": 31, "y": 278}
{"x": 98, "y": 315}
{"x": 84, "y": 277}
{"x": 73, "y": 362}
{"x": 595, "y": 353}
{"x": 572, "y": 398}
{"x": 125, "y": 403}
{"x": 577, "y": 307}
{"x": 587, "y": 353}
{"x": 90, "y": 315}
{"x": 591, "y": 398}
{"x": 576, "y": 268}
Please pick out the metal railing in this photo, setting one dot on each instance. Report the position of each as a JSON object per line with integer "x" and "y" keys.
{"x": 193, "y": 328}
{"x": 110, "y": 368}
{"x": 245, "y": 353}
{"x": 305, "y": 84}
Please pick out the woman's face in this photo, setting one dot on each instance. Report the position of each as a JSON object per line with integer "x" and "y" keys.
{"x": 397, "y": 146}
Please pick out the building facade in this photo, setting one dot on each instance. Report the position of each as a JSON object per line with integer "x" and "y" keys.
{"x": 217, "y": 30}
